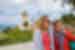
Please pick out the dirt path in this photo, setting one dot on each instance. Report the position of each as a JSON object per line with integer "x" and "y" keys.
{"x": 23, "y": 46}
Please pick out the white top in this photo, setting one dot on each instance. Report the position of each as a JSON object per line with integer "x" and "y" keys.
{"x": 38, "y": 42}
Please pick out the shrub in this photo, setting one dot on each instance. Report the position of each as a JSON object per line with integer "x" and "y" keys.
{"x": 16, "y": 36}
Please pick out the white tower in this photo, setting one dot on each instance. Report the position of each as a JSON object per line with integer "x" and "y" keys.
{"x": 25, "y": 22}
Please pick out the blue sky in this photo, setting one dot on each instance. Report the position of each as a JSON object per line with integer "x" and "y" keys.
{"x": 10, "y": 9}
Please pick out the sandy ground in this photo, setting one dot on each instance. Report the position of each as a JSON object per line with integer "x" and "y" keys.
{"x": 23, "y": 46}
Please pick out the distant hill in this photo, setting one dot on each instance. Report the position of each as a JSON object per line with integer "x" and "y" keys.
{"x": 3, "y": 26}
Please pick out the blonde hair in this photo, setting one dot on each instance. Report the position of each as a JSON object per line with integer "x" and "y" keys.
{"x": 42, "y": 21}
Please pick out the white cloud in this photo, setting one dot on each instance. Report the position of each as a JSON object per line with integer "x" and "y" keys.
{"x": 54, "y": 9}
{"x": 13, "y": 7}
{"x": 8, "y": 20}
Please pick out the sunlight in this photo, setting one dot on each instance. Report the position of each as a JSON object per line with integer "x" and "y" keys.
{"x": 19, "y": 1}
{"x": 22, "y": 1}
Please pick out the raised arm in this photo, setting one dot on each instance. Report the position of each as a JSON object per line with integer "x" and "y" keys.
{"x": 66, "y": 45}
{"x": 70, "y": 36}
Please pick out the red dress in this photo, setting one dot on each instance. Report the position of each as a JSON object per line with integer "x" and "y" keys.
{"x": 56, "y": 44}
{"x": 46, "y": 41}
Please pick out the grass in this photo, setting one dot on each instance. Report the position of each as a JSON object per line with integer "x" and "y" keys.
{"x": 15, "y": 36}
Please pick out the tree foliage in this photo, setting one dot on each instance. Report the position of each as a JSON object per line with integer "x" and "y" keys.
{"x": 7, "y": 29}
{"x": 72, "y": 2}
{"x": 14, "y": 35}
{"x": 69, "y": 19}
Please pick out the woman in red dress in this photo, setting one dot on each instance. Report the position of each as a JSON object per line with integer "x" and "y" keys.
{"x": 43, "y": 40}
{"x": 61, "y": 41}
{"x": 45, "y": 23}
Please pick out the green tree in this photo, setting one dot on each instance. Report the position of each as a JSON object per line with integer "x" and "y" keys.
{"x": 7, "y": 29}
{"x": 15, "y": 35}
{"x": 72, "y": 2}
{"x": 69, "y": 19}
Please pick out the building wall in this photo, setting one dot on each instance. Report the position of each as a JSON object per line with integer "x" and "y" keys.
{"x": 21, "y": 24}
